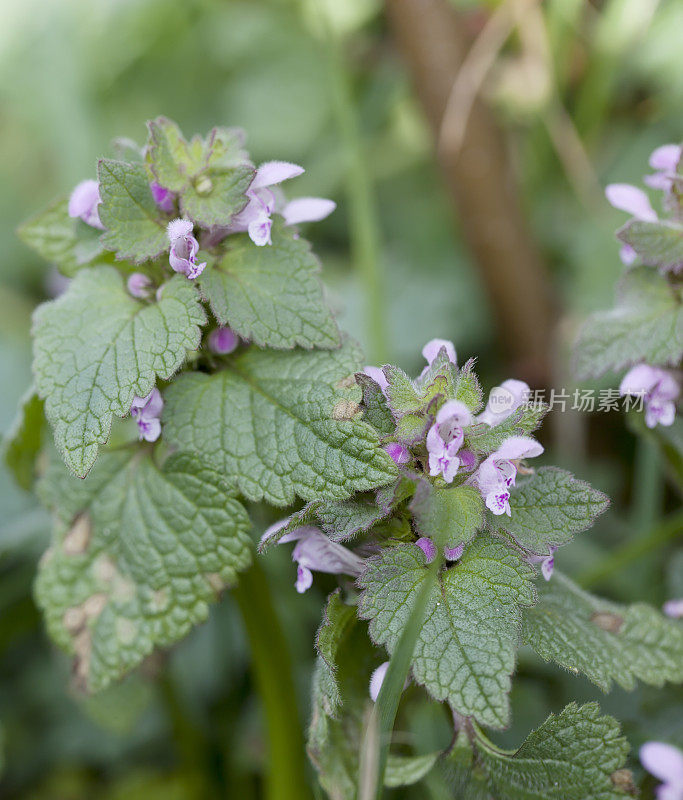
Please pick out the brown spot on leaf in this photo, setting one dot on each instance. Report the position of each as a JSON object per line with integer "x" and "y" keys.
{"x": 74, "y": 619}
{"x": 346, "y": 383}
{"x": 606, "y": 621}
{"x": 345, "y": 410}
{"x": 215, "y": 581}
{"x": 623, "y": 780}
{"x": 78, "y": 536}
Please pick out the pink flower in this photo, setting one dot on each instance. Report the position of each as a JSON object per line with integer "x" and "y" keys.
{"x": 659, "y": 390}
{"x": 432, "y": 349}
{"x": 223, "y": 341}
{"x": 314, "y": 551}
{"x": 164, "y": 198}
{"x": 377, "y": 376}
{"x": 184, "y": 247}
{"x": 84, "y": 201}
{"x": 138, "y": 285}
{"x": 664, "y": 160}
{"x": 547, "y": 562}
{"x": 445, "y": 438}
{"x": 674, "y": 608}
{"x": 503, "y": 401}
{"x": 635, "y": 202}
{"x": 665, "y": 762}
{"x": 146, "y": 411}
{"x": 498, "y": 472}
{"x": 255, "y": 218}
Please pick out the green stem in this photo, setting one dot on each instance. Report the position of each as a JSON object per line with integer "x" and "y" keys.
{"x": 363, "y": 223}
{"x": 377, "y": 738}
{"x": 631, "y": 551}
{"x": 648, "y": 491}
{"x": 286, "y": 765}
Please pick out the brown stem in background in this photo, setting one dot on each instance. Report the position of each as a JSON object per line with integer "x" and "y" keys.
{"x": 479, "y": 176}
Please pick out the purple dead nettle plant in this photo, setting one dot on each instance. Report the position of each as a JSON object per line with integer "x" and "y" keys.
{"x": 195, "y": 309}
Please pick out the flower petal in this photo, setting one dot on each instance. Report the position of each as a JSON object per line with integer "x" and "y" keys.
{"x": 307, "y": 209}
{"x": 272, "y": 172}
{"x": 664, "y": 761}
{"x": 431, "y": 350}
{"x": 630, "y": 199}
{"x": 666, "y": 157}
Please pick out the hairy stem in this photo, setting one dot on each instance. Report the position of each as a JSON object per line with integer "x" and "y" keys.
{"x": 377, "y": 738}
{"x": 286, "y": 764}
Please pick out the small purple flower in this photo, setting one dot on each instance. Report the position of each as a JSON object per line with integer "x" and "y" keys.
{"x": 665, "y": 762}
{"x": 467, "y": 459}
{"x": 498, "y": 472}
{"x": 547, "y": 562}
{"x": 223, "y": 341}
{"x": 84, "y": 201}
{"x": 674, "y": 608}
{"x": 635, "y": 202}
{"x": 184, "y": 247}
{"x": 454, "y": 553}
{"x": 432, "y": 349}
{"x": 659, "y": 390}
{"x": 164, "y": 198}
{"x": 314, "y": 551}
{"x": 664, "y": 160}
{"x": 138, "y": 285}
{"x": 503, "y": 401}
{"x": 398, "y": 452}
{"x": 377, "y": 376}
{"x": 255, "y": 218}
{"x": 445, "y": 438}
{"x": 428, "y": 548}
{"x": 146, "y": 411}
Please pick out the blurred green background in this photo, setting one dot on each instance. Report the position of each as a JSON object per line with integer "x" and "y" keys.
{"x": 322, "y": 83}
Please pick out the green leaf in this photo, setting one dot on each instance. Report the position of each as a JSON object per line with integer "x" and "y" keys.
{"x": 411, "y": 429}
{"x": 646, "y": 325}
{"x": 211, "y": 176}
{"x": 23, "y": 442}
{"x": 338, "y": 620}
{"x": 96, "y": 347}
{"x": 334, "y": 742}
{"x": 138, "y": 553}
{"x": 465, "y": 652}
{"x": 375, "y": 408}
{"x": 60, "y": 239}
{"x": 271, "y": 295}
{"x": 277, "y": 425}
{"x": 402, "y": 396}
{"x": 345, "y": 519}
{"x": 407, "y": 770}
{"x": 576, "y": 755}
{"x": 659, "y": 244}
{"x": 467, "y": 388}
{"x": 548, "y": 508}
{"x": 605, "y": 641}
{"x": 482, "y": 439}
{"x": 135, "y": 231}
{"x": 450, "y": 515}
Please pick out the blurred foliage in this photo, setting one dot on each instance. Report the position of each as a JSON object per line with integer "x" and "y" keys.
{"x": 75, "y": 74}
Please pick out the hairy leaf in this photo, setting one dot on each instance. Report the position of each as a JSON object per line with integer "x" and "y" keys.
{"x": 465, "y": 652}
{"x": 659, "y": 244}
{"x": 375, "y": 408}
{"x": 575, "y": 755}
{"x": 96, "y": 347}
{"x": 60, "y": 239}
{"x": 21, "y": 446}
{"x": 548, "y": 508}
{"x": 338, "y": 619}
{"x": 450, "y": 515}
{"x": 271, "y": 295}
{"x": 276, "y": 425}
{"x": 605, "y": 641}
{"x": 482, "y": 439}
{"x": 138, "y": 553}
{"x": 128, "y": 211}
{"x": 646, "y": 325}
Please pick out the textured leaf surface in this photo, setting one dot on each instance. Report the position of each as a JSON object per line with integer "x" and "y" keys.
{"x": 449, "y": 515}
{"x": 571, "y": 756}
{"x": 138, "y": 553}
{"x": 275, "y": 424}
{"x": 95, "y": 347}
{"x": 659, "y": 244}
{"x": 483, "y": 439}
{"x": 271, "y": 295}
{"x": 549, "y": 508}
{"x": 466, "y": 648}
{"x": 211, "y": 176}
{"x": 67, "y": 242}
{"x": 128, "y": 212}
{"x": 407, "y": 770}
{"x": 23, "y": 442}
{"x": 605, "y": 641}
{"x": 646, "y": 325}
{"x": 375, "y": 407}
